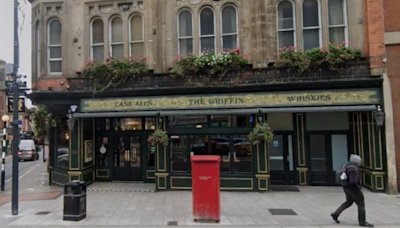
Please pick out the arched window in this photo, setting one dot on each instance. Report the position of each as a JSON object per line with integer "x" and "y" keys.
{"x": 286, "y": 24}
{"x": 116, "y": 38}
{"x": 229, "y": 27}
{"x": 54, "y": 46}
{"x": 207, "y": 29}
{"x": 37, "y": 48}
{"x": 97, "y": 39}
{"x": 311, "y": 24}
{"x": 185, "y": 32}
{"x": 337, "y": 21}
{"x": 136, "y": 36}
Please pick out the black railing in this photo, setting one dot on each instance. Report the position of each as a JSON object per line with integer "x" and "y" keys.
{"x": 243, "y": 77}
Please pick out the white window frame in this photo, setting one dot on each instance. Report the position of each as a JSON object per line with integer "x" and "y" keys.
{"x": 92, "y": 45}
{"x": 345, "y": 25}
{"x": 286, "y": 30}
{"x": 222, "y": 25}
{"x": 49, "y": 60}
{"x": 314, "y": 27}
{"x": 184, "y": 37}
{"x": 110, "y": 34}
{"x": 130, "y": 34}
{"x": 207, "y": 36}
{"x": 37, "y": 48}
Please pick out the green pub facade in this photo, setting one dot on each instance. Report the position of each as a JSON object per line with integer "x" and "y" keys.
{"x": 317, "y": 125}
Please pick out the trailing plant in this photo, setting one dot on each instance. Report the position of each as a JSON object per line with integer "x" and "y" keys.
{"x": 209, "y": 63}
{"x": 261, "y": 133}
{"x": 158, "y": 137}
{"x": 333, "y": 55}
{"x": 42, "y": 121}
{"x": 112, "y": 72}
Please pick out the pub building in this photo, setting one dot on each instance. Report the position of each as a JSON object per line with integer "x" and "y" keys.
{"x": 317, "y": 126}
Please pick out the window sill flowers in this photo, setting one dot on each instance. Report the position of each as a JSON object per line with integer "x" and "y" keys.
{"x": 209, "y": 63}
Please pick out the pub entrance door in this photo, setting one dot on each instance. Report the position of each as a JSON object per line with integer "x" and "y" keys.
{"x": 127, "y": 156}
{"x": 328, "y": 151}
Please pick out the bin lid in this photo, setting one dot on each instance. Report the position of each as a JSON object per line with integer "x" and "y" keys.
{"x": 205, "y": 158}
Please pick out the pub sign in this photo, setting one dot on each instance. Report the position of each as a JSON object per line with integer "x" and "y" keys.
{"x": 21, "y": 104}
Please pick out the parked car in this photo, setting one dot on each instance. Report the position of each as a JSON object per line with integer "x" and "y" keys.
{"x": 27, "y": 150}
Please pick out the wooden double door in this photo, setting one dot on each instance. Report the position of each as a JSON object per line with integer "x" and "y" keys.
{"x": 128, "y": 156}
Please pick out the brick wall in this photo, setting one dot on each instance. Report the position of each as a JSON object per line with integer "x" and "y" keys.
{"x": 392, "y": 9}
{"x": 55, "y": 83}
{"x": 374, "y": 32}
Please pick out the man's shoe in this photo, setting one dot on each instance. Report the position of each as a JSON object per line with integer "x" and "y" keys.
{"x": 365, "y": 224}
{"x": 335, "y": 218}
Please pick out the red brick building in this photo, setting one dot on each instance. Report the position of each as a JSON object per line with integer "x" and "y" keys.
{"x": 391, "y": 52}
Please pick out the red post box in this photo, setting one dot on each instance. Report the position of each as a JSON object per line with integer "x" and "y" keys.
{"x": 205, "y": 188}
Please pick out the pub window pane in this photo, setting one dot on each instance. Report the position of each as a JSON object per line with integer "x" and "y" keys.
{"x": 151, "y": 151}
{"x": 229, "y": 42}
{"x": 55, "y": 32}
{"x": 243, "y": 120}
{"x": 243, "y": 154}
{"x": 119, "y": 153}
{"x": 185, "y": 32}
{"x": 136, "y": 36}
{"x": 179, "y": 154}
{"x": 186, "y": 46}
{"x": 187, "y": 121}
{"x": 277, "y": 155}
{"x": 311, "y": 39}
{"x": 150, "y": 123}
{"x": 102, "y": 148}
{"x": 207, "y": 44}
{"x": 100, "y": 124}
{"x": 117, "y": 46}
{"x": 128, "y": 124}
{"x": 229, "y": 27}
{"x": 337, "y": 34}
{"x": 198, "y": 144}
{"x": 62, "y": 140}
{"x": 220, "y": 145}
{"x": 221, "y": 121}
{"x": 55, "y": 66}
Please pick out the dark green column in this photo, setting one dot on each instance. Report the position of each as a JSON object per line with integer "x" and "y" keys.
{"x": 262, "y": 167}
{"x": 367, "y": 142}
{"x": 162, "y": 160}
{"x": 300, "y": 149}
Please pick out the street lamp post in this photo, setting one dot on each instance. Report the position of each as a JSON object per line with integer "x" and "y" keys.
{"x": 5, "y": 118}
{"x": 379, "y": 116}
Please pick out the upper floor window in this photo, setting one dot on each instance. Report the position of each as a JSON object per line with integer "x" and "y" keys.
{"x": 207, "y": 29}
{"x": 311, "y": 24}
{"x": 286, "y": 22}
{"x": 116, "y": 38}
{"x": 229, "y": 27}
{"x": 54, "y": 46}
{"x": 337, "y": 21}
{"x": 136, "y": 36}
{"x": 97, "y": 39}
{"x": 185, "y": 32}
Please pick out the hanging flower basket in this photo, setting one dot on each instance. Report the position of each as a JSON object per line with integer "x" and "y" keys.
{"x": 158, "y": 137}
{"x": 261, "y": 133}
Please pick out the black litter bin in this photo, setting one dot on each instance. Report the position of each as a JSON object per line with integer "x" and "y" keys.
{"x": 75, "y": 201}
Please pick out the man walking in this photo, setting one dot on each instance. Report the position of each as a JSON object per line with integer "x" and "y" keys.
{"x": 352, "y": 189}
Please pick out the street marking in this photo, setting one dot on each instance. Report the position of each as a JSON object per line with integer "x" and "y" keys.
{"x": 25, "y": 173}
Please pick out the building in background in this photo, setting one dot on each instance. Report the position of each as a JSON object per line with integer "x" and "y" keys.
{"x": 3, "y": 106}
{"x": 319, "y": 117}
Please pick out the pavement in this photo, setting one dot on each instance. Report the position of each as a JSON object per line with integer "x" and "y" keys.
{"x": 312, "y": 206}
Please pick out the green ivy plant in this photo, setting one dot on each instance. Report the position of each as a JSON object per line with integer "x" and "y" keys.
{"x": 42, "y": 121}
{"x": 158, "y": 137}
{"x": 112, "y": 72}
{"x": 261, "y": 133}
{"x": 333, "y": 55}
{"x": 209, "y": 63}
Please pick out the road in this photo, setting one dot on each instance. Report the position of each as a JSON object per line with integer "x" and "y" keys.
{"x": 23, "y": 166}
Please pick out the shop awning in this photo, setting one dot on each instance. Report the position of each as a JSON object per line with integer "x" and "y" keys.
{"x": 209, "y": 112}
{"x": 115, "y": 114}
{"x": 354, "y": 108}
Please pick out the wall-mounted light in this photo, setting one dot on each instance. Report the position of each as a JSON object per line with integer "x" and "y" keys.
{"x": 379, "y": 116}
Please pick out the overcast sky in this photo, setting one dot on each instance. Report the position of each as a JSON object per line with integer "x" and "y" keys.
{"x": 7, "y": 37}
